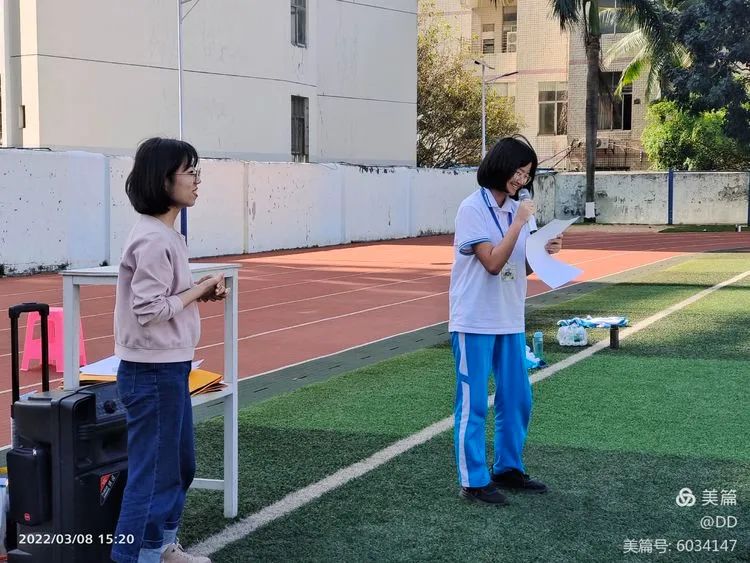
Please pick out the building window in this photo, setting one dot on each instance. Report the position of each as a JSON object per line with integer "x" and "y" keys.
{"x": 612, "y": 26}
{"x": 299, "y": 23}
{"x": 488, "y": 28}
{"x": 507, "y": 90}
{"x": 510, "y": 21}
{"x": 615, "y": 112}
{"x": 300, "y": 129}
{"x": 488, "y": 46}
{"x": 553, "y": 108}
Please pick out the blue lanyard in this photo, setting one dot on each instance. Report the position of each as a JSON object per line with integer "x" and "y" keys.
{"x": 494, "y": 216}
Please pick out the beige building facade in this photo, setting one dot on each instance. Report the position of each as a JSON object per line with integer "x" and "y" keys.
{"x": 268, "y": 80}
{"x": 543, "y": 71}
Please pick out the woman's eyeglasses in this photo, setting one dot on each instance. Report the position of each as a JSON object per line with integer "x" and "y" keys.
{"x": 196, "y": 174}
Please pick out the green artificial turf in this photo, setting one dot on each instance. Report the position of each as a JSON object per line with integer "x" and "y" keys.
{"x": 699, "y": 228}
{"x": 616, "y": 437}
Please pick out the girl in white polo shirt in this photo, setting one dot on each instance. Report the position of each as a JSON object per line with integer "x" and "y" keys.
{"x": 487, "y": 299}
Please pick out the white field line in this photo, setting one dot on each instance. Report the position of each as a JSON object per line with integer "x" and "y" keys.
{"x": 306, "y": 495}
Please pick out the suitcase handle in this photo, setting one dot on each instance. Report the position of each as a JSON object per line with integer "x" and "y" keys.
{"x": 14, "y": 313}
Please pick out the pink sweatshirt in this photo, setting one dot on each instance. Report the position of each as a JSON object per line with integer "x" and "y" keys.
{"x": 151, "y": 325}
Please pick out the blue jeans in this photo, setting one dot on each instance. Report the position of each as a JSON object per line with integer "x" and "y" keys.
{"x": 161, "y": 456}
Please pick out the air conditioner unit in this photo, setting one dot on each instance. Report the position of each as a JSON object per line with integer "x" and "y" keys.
{"x": 602, "y": 143}
{"x": 511, "y": 37}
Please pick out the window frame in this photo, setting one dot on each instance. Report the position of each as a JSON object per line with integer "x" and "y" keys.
{"x": 298, "y": 10}
{"x": 608, "y": 118}
{"x": 300, "y": 125}
{"x": 613, "y": 30}
{"x": 510, "y": 25}
{"x": 559, "y": 103}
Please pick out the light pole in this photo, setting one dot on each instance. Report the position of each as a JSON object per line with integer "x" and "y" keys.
{"x": 183, "y": 213}
{"x": 484, "y": 66}
{"x": 484, "y": 110}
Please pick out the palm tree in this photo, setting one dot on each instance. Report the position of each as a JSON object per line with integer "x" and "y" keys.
{"x": 583, "y": 16}
{"x": 648, "y": 55}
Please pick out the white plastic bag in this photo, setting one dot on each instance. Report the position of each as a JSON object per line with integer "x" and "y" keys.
{"x": 572, "y": 335}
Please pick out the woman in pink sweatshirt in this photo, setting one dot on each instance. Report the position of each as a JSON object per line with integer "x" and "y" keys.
{"x": 157, "y": 327}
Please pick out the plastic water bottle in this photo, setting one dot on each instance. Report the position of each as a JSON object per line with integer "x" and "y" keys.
{"x": 539, "y": 344}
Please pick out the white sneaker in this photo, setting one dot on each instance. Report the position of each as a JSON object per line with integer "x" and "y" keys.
{"x": 175, "y": 554}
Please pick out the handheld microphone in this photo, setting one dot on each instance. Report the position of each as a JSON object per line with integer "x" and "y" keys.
{"x": 524, "y": 194}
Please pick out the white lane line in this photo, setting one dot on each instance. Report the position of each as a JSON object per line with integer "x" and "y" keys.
{"x": 375, "y": 275}
{"x": 306, "y": 495}
{"x": 369, "y": 274}
{"x": 553, "y": 369}
{"x": 326, "y": 319}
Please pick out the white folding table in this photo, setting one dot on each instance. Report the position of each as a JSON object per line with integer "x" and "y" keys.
{"x": 107, "y": 275}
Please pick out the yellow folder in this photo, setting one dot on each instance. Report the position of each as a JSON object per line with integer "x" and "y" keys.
{"x": 201, "y": 381}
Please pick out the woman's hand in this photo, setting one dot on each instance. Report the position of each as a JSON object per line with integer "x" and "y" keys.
{"x": 213, "y": 288}
{"x": 554, "y": 245}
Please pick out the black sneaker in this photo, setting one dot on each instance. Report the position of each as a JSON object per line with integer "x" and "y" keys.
{"x": 488, "y": 495}
{"x": 514, "y": 480}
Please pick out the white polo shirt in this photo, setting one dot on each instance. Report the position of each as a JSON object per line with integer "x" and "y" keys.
{"x": 481, "y": 303}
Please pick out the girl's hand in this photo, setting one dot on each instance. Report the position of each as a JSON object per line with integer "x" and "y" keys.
{"x": 554, "y": 245}
{"x": 525, "y": 210}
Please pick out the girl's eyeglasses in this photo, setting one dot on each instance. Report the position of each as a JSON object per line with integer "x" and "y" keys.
{"x": 521, "y": 176}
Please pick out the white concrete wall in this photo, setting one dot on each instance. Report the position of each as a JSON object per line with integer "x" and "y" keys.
{"x": 293, "y": 205}
{"x": 70, "y": 208}
{"x": 545, "y": 192}
{"x": 700, "y": 198}
{"x": 631, "y": 198}
{"x": 435, "y": 197}
{"x": 110, "y": 80}
{"x": 52, "y": 209}
{"x": 570, "y": 195}
{"x": 710, "y": 197}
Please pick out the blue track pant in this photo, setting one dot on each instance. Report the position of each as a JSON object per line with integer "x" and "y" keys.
{"x": 476, "y": 356}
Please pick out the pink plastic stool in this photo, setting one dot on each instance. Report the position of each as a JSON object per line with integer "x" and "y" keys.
{"x": 32, "y": 348}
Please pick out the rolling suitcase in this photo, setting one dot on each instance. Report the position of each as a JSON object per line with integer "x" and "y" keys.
{"x": 67, "y": 468}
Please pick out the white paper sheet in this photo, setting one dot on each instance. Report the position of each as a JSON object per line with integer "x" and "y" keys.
{"x": 108, "y": 366}
{"x": 550, "y": 270}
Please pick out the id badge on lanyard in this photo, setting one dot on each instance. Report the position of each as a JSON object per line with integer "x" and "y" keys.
{"x": 508, "y": 273}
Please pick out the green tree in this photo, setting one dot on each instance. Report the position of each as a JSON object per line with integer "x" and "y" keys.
{"x": 449, "y": 100}
{"x": 675, "y": 138}
{"x": 715, "y": 33}
{"x": 703, "y": 64}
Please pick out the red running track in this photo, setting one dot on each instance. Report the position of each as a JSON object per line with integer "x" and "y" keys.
{"x": 299, "y": 305}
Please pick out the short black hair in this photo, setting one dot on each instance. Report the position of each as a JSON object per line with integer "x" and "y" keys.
{"x": 156, "y": 160}
{"x": 503, "y": 159}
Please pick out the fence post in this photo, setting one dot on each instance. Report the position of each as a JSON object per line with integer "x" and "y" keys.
{"x": 670, "y": 196}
